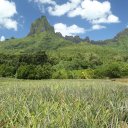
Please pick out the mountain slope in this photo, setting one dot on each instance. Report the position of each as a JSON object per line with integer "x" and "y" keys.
{"x": 43, "y": 37}
{"x": 121, "y": 40}
{"x": 43, "y": 41}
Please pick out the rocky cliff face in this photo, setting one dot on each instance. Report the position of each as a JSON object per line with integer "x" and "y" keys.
{"x": 40, "y": 25}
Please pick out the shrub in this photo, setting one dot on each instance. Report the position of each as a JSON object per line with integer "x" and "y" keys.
{"x": 43, "y": 72}
{"x": 100, "y": 72}
{"x": 125, "y": 70}
{"x": 78, "y": 63}
{"x": 34, "y": 72}
{"x": 112, "y": 70}
{"x": 61, "y": 74}
{"x": 25, "y": 72}
{"x": 7, "y": 71}
{"x": 94, "y": 61}
{"x": 87, "y": 74}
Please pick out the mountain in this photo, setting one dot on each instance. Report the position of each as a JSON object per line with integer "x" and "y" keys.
{"x": 40, "y": 25}
{"x": 43, "y": 37}
{"x": 40, "y": 37}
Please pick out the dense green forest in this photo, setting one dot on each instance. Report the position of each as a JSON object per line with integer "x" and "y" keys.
{"x": 44, "y": 54}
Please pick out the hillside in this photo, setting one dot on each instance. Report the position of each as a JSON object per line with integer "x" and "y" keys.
{"x": 121, "y": 40}
{"x": 42, "y": 41}
{"x": 44, "y": 54}
{"x": 43, "y": 37}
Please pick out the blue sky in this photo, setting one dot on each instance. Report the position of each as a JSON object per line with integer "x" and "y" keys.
{"x": 98, "y": 19}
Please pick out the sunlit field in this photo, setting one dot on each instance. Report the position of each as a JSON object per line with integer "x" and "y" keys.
{"x": 63, "y": 104}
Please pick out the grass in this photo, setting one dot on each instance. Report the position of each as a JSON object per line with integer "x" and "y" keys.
{"x": 63, "y": 104}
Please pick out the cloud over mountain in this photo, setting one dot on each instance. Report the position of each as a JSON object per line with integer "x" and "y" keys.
{"x": 93, "y": 11}
{"x": 68, "y": 30}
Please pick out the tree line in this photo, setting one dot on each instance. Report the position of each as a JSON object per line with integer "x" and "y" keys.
{"x": 39, "y": 65}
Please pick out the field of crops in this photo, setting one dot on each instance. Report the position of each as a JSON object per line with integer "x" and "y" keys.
{"x": 63, "y": 104}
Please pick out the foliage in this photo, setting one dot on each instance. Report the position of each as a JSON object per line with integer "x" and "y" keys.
{"x": 42, "y": 66}
{"x": 25, "y": 72}
{"x": 7, "y": 70}
{"x": 114, "y": 70}
{"x": 61, "y": 74}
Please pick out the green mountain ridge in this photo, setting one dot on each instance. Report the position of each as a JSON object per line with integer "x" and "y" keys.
{"x": 43, "y": 37}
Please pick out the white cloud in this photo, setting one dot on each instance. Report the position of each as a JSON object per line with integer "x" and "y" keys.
{"x": 7, "y": 12}
{"x": 56, "y": 9}
{"x": 93, "y": 11}
{"x": 59, "y": 10}
{"x": 87, "y": 9}
{"x": 110, "y": 19}
{"x": 68, "y": 30}
{"x": 8, "y": 23}
{"x": 2, "y": 38}
{"x": 98, "y": 27}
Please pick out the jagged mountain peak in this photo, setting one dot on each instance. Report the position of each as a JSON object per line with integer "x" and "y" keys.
{"x": 40, "y": 25}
